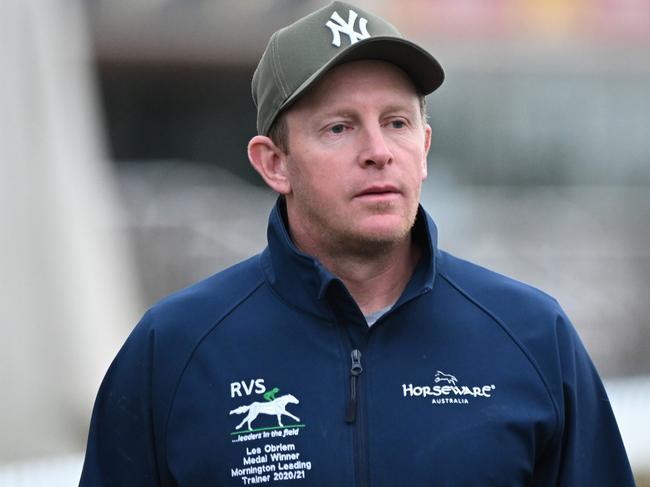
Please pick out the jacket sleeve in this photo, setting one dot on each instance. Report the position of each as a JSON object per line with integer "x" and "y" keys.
{"x": 121, "y": 448}
{"x": 592, "y": 451}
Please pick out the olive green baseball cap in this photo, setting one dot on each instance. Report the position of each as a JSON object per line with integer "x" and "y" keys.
{"x": 298, "y": 55}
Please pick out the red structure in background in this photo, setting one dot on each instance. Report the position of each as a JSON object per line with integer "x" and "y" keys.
{"x": 626, "y": 21}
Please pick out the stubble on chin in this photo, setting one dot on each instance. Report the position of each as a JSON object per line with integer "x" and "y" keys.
{"x": 371, "y": 243}
{"x": 334, "y": 234}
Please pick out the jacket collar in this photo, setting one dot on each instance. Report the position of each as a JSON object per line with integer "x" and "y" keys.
{"x": 303, "y": 282}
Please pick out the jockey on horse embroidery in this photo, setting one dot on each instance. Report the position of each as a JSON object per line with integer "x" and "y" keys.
{"x": 270, "y": 395}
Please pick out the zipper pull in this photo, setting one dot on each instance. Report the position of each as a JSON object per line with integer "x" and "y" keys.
{"x": 355, "y": 371}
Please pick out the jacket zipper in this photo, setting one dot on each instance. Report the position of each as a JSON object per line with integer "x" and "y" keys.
{"x": 354, "y": 416}
{"x": 355, "y": 372}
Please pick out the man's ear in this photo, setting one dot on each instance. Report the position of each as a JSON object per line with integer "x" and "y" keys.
{"x": 427, "y": 146}
{"x": 270, "y": 162}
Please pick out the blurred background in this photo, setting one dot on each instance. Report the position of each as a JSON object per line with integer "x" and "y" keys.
{"x": 123, "y": 131}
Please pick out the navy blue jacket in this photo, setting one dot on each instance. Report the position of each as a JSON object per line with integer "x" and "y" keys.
{"x": 267, "y": 371}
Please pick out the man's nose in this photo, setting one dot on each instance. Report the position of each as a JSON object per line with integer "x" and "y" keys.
{"x": 375, "y": 150}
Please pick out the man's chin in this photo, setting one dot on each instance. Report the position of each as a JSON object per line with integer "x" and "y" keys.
{"x": 385, "y": 227}
{"x": 375, "y": 239}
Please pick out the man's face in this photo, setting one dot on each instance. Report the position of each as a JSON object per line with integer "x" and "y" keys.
{"x": 356, "y": 158}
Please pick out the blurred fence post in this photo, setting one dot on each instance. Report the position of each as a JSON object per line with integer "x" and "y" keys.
{"x": 67, "y": 289}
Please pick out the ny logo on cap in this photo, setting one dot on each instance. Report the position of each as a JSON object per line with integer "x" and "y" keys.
{"x": 347, "y": 28}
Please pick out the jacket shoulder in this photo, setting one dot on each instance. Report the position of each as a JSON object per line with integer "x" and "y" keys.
{"x": 170, "y": 331}
{"x": 508, "y": 299}
{"x": 206, "y": 302}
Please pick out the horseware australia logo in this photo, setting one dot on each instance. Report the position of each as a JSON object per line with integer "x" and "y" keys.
{"x": 271, "y": 405}
{"x": 339, "y": 26}
{"x": 449, "y": 393}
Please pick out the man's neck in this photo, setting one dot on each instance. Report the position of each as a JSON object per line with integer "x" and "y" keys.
{"x": 377, "y": 283}
{"x": 374, "y": 281}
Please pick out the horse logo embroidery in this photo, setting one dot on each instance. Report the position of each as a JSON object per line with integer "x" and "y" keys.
{"x": 440, "y": 376}
{"x": 276, "y": 407}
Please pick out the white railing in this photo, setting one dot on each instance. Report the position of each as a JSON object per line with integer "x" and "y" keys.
{"x": 61, "y": 471}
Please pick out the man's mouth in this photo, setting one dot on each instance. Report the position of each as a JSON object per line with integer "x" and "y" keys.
{"x": 378, "y": 190}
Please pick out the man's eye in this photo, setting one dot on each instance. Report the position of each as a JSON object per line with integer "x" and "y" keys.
{"x": 339, "y": 128}
{"x": 398, "y": 124}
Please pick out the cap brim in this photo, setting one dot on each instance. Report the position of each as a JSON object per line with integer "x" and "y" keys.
{"x": 422, "y": 67}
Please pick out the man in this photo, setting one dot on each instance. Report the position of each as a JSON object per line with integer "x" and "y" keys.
{"x": 352, "y": 351}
